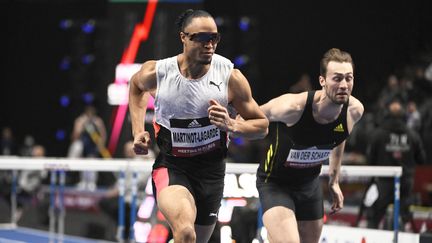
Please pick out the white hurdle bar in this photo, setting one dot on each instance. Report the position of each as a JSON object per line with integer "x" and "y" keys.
{"x": 123, "y": 165}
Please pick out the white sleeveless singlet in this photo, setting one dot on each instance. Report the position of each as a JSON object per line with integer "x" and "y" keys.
{"x": 181, "y": 104}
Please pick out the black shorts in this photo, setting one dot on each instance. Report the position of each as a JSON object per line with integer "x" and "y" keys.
{"x": 306, "y": 200}
{"x": 207, "y": 192}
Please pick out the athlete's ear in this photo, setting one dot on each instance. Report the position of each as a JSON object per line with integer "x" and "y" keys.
{"x": 182, "y": 37}
{"x": 322, "y": 81}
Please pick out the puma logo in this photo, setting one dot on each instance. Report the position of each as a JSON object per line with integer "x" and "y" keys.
{"x": 217, "y": 85}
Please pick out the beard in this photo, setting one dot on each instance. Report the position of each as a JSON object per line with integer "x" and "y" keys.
{"x": 336, "y": 101}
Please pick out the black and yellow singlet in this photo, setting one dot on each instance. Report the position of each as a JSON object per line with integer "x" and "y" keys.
{"x": 296, "y": 153}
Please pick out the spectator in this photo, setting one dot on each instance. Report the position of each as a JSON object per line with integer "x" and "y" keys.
{"x": 38, "y": 151}
{"x": 89, "y": 130}
{"x": 88, "y": 141}
{"x": 7, "y": 148}
{"x": 393, "y": 144}
{"x": 426, "y": 128}
{"x": 413, "y": 116}
{"x": 27, "y": 147}
{"x": 30, "y": 181}
{"x": 389, "y": 92}
{"x": 422, "y": 88}
{"x": 7, "y": 143}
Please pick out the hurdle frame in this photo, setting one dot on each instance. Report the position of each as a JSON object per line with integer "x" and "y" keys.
{"x": 60, "y": 165}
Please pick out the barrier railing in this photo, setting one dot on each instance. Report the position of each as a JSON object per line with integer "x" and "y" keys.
{"x": 60, "y": 165}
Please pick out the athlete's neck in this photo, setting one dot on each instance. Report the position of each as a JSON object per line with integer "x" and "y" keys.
{"x": 191, "y": 69}
{"x": 325, "y": 110}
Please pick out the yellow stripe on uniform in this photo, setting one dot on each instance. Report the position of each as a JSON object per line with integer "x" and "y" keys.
{"x": 269, "y": 155}
{"x": 272, "y": 157}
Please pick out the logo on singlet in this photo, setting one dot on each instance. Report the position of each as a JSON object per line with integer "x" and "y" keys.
{"x": 217, "y": 85}
{"x": 339, "y": 128}
{"x": 194, "y": 123}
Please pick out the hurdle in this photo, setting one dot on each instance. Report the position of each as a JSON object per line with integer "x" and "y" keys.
{"x": 61, "y": 165}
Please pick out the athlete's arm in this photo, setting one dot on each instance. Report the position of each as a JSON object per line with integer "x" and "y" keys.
{"x": 254, "y": 124}
{"x": 334, "y": 174}
{"x": 140, "y": 86}
{"x": 286, "y": 108}
{"x": 355, "y": 111}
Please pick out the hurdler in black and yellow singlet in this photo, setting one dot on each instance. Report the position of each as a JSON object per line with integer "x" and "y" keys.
{"x": 296, "y": 153}
{"x": 289, "y": 175}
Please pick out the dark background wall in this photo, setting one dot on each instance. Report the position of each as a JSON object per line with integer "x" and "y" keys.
{"x": 381, "y": 36}
{"x": 283, "y": 42}
{"x": 33, "y": 82}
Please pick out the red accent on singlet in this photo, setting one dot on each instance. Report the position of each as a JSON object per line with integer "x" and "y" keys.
{"x": 156, "y": 128}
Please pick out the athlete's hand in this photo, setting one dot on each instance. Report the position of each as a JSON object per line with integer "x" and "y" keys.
{"x": 337, "y": 198}
{"x": 141, "y": 143}
{"x": 219, "y": 116}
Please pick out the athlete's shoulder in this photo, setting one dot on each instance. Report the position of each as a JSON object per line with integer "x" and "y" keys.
{"x": 355, "y": 109}
{"x": 298, "y": 100}
{"x": 165, "y": 63}
{"x": 145, "y": 78}
{"x": 222, "y": 65}
{"x": 292, "y": 101}
{"x": 236, "y": 75}
{"x": 148, "y": 69}
{"x": 286, "y": 108}
{"x": 149, "y": 65}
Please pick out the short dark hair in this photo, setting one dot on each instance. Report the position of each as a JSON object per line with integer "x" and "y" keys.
{"x": 184, "y": 19}
{"x": 335, "y": 55}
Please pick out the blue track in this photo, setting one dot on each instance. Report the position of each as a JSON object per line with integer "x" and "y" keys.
{"x": 19, "y": 235}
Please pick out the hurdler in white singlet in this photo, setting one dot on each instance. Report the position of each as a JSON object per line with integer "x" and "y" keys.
{"x": 181, "y": 104}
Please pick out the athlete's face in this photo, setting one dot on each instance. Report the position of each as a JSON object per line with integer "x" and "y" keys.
{"x": 338, "y": 82}
{"x": 200, "y": 39}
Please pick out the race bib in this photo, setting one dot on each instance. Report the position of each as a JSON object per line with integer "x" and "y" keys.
{"x": 191, "y": 137}
{"x": 309, "y": 157}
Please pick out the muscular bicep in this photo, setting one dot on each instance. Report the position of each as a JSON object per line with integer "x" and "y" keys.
{"x": 275, "y": 110}
{"x": 286, "y": 108}
{"x": 240, "y": 96}
{"x": 145, "y": 79}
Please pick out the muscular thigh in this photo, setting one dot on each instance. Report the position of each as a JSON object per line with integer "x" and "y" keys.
{"x": 272, "y": 195}
{"x": 205, "y": 194}
{"x": 309, "y": 201}
{"x": 304, "y": 200}
{"x": 208, "y": 196}
{"x": 170, "y": 185}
